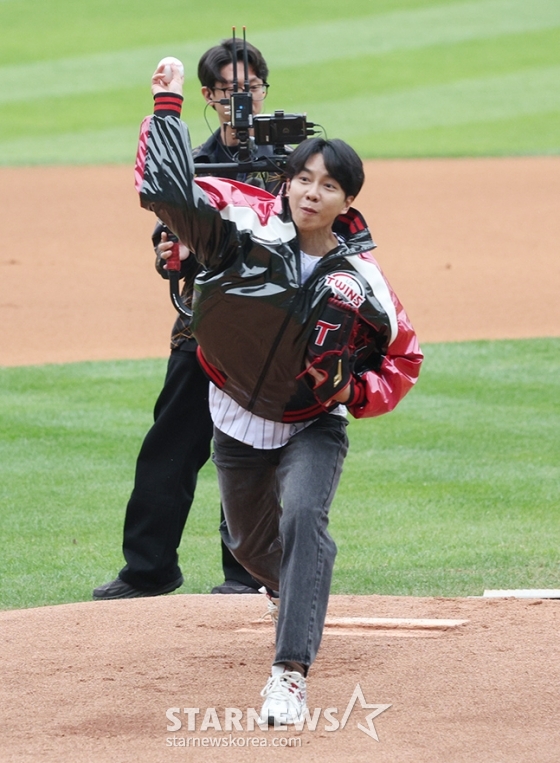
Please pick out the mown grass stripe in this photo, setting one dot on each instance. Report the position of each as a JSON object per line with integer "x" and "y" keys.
{"x": 407, "y": 30}
{"x": 468, "y": 101}
{"x": 112, "y": 145}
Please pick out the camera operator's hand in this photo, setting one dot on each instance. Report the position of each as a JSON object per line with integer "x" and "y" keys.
{"x": 165, "y": 249}
{"x": 159, "y": 80}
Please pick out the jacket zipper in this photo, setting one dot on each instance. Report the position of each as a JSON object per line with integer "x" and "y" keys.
{"x": 280, "y": 334}
{"x": 277, "y": 340}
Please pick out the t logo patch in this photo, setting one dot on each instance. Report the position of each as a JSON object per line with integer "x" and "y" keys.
{"x": 323, "y": 329}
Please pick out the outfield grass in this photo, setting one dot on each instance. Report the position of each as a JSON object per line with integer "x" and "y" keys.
{"x": 394, "y": 77}
{"x": 456, "y": 491}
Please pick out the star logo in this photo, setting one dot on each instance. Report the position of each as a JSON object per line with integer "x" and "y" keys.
{"x": 370, "y": 730}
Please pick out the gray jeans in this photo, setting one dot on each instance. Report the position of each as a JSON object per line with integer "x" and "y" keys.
{"x": 276, "y": 504}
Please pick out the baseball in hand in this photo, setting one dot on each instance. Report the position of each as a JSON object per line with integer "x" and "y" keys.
{"x": 167, "y": 72}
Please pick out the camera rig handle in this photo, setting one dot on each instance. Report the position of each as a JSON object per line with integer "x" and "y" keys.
{"x": 173, "y": 267}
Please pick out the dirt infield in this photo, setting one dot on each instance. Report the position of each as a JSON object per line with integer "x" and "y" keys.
{"x": 470, "y": 246}
{"x": 472, "y": 249}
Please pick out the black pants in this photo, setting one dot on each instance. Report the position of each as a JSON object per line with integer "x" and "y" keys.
{"x": 175, "y": 449}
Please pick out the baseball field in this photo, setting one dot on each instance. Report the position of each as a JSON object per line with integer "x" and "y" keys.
{"x": 456, "y": 108}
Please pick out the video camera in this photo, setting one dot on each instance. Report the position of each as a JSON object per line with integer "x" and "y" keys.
{"x": 277, "y": 130}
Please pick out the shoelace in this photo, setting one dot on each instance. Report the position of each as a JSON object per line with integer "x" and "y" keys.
{"x": 290, "y": 681}
{"x": 272, "y": 610}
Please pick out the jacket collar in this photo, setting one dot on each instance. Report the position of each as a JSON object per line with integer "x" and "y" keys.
{"x": 351, "y": 227}
{"x": 355, "y": 232}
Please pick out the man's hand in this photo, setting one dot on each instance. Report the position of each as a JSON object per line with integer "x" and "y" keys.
{"x": 341, "y": 397}
{"x": 161, "y": 82}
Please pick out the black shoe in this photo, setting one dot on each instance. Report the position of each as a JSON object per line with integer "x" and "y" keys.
{"x": 118, "y": 589}
{"x": 233, "y": 586}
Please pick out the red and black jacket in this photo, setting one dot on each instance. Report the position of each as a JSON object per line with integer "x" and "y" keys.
{"x": 253, "y": 317}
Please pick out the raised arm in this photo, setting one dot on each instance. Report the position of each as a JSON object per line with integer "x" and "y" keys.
{"x": 164, "y": 175}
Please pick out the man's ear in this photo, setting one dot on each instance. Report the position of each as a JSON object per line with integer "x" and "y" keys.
{"x": 206, "y": 94}
{"x": 347, "y": 204}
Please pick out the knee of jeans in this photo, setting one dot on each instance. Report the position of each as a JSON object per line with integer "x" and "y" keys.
{"x": 307, "y": 519}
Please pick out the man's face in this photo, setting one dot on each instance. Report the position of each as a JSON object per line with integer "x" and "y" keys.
{"x": 224, "y": 89}
{"x": 316, "y": 199}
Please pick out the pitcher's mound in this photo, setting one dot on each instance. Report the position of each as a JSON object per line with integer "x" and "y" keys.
{"x": 473, "y": 680}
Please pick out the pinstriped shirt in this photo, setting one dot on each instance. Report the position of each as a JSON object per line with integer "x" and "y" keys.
{"x": 263, "y": 434}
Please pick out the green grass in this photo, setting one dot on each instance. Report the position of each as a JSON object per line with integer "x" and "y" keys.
{"x": 456, "y": 491}
{"x": 394, "y": 77}
{"x": 459, "y": 489}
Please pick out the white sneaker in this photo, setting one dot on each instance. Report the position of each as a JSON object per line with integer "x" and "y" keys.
{"x": 285, "y": 697}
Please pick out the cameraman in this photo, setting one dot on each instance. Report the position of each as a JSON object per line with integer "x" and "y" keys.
{"x": 178, "y": 444}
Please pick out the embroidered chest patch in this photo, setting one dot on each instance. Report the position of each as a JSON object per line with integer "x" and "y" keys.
{"x": 346, "y": 287}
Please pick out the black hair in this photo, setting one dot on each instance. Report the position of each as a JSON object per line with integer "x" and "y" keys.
{"x": 213, "y": 61}
{"x": 342, "y": 162}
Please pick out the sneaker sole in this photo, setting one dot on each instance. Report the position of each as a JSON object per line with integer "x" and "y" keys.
{"x": 271, "y": 719}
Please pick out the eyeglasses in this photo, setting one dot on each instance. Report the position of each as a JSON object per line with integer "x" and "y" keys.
{"x": 259, "y": 92}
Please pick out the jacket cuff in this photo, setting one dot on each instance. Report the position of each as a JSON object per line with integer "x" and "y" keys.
{"x": 357, "y": 394}
{"x": 168, "y": 104}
